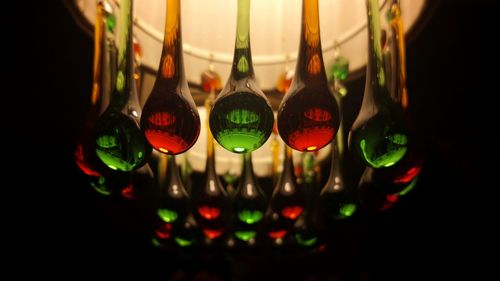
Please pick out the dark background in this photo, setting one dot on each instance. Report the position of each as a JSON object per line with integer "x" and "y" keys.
{"x": 451, "y": 74}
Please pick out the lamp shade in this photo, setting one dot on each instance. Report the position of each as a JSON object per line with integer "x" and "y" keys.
{"x": 208, "y": 30}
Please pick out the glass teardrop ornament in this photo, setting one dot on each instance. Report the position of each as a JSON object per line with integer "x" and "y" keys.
{"x": 378, "y": 135}
{"x": 173, "y": 198}
{"x": 170, "y": 119}
{"x": 288, "y": 197}
{"x": 104, "y": 180}
{"x": 242, "y": 118}
{"x": 308, "y": 116}
{"x": 339, "y": 196}
{"x": 210, "y": 202}
{"x": 120, "y": 143}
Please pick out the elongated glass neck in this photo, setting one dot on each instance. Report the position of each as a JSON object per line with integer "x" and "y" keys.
{"x": 337, "y": 145}
{"x": 310, "y": 59}
{"x": 375, "y": 60}
{"x": 99, "y": 43}
{"x": 124, "y": 76}
{"x": 398, "y": 62}
{"x": 242, "y": 61}
{"x": 336, "y": 159}
{"x": 173, "y": 170}
{"x": 247, "y": 166}
{"x": 171, "y": 69}
{"x": 288, "y": 164}
{"x": 210, "y": 137}
{"x": 339, "y": 138}
{"x": 109, "y": 54}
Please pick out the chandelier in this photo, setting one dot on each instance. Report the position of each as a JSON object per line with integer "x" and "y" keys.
{"x": 260, "y": 183}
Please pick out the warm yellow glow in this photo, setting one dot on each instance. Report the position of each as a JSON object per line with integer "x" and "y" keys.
{"x": 276, "y": 21}
{"x": 163, "y": 150}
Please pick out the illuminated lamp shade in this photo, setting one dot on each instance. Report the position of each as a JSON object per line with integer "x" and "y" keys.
{"x": 208, "y": 33}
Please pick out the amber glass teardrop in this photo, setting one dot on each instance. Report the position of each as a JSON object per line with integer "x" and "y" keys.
{"x": 308, "y": 116}
{"x": 170, "y": 119}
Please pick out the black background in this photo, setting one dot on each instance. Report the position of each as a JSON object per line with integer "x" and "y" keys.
{"x": 451, "y": 78}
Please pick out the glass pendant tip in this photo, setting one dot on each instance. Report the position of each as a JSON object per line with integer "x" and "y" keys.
{"x": 347, "y": 210}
